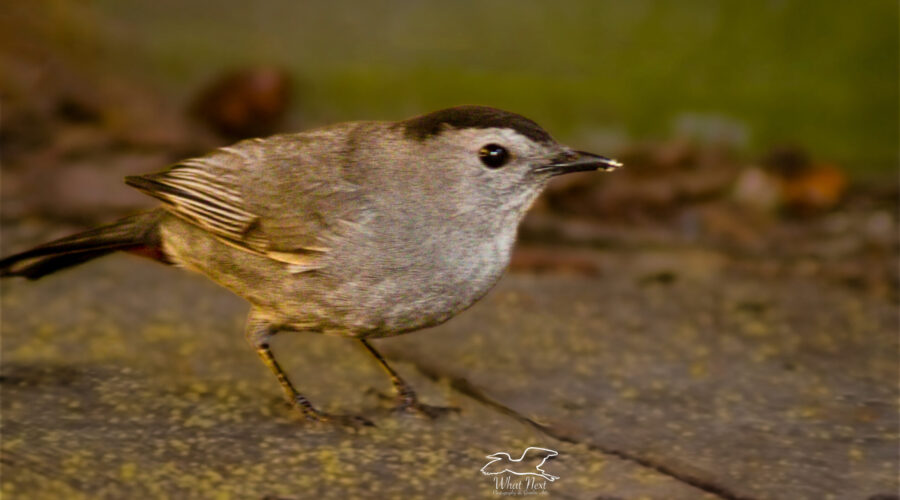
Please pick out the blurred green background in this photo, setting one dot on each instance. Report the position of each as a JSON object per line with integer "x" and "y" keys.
{"x": 820, "y": 74}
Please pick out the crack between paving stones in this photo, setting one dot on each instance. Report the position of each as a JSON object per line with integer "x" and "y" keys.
{"x": 466, "y": 388}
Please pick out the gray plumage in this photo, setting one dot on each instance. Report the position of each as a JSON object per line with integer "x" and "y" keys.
{"x": 364, "y": 229}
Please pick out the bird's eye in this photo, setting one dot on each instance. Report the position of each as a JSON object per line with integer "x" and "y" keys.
{"x": 493, "y": 155}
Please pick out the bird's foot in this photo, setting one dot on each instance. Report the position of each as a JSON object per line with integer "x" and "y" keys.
{"x": 311, "y": 414}
{"x": 406, "y": 401}
{"x": 423, "y": 409}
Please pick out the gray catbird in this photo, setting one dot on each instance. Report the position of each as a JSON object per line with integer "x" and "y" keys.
{"x": 363, "y": 229}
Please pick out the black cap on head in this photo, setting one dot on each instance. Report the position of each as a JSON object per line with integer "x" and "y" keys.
{"x": 425, "y": 126}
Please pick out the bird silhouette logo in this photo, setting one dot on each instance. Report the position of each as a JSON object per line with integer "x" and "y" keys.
{"x": 529, "y": 464}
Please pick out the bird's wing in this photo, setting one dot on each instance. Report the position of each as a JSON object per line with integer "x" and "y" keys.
{"x": 283, "y": 197}
{"x": 198, "y": 192}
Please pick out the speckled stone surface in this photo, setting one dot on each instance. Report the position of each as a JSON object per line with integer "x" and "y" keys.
{"x": 126, "y": 379}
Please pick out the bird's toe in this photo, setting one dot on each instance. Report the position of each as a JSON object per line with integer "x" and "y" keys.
{"x": 425, "y": 410}
{"x": 312, "y": 415}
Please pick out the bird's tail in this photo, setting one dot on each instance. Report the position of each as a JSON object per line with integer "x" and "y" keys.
{"x": 138, "y": 234}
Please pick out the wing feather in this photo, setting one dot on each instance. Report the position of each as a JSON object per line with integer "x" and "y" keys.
{"x": 210, "y": 192}
{"x": 199, "y": 199}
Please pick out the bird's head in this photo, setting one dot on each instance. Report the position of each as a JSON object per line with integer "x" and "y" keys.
{"x": 496, "y": 156}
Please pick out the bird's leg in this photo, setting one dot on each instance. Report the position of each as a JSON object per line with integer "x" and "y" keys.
{"x": 258, "y": 334}
{"x": 406, "y": 396}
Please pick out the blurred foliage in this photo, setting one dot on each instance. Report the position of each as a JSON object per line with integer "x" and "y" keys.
{"x": 822, "y": 74}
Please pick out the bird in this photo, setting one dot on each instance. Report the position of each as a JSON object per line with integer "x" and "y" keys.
{"x": 502, "y": 462}
{"x": 363, "y": 229}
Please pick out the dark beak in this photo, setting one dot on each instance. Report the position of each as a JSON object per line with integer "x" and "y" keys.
{"x": 578, "y": 161}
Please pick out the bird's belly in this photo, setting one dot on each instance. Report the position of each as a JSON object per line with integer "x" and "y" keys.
{"x": 426, "y": 293}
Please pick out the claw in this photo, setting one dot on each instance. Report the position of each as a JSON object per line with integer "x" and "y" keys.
{"x": 313, "y": 415}
{"x": 408, "y": 402}
{"x": 423, "y": 409}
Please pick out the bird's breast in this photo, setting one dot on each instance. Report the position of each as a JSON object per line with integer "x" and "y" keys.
{"x": 419, "y": 280}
